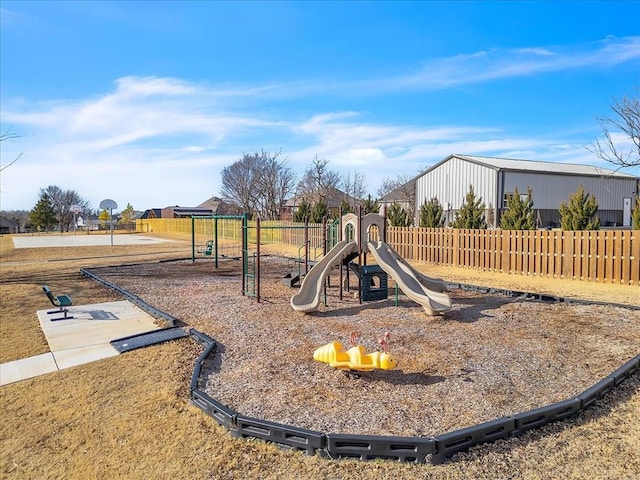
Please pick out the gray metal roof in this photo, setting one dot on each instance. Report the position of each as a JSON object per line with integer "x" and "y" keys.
{"x": 537, "y": 166}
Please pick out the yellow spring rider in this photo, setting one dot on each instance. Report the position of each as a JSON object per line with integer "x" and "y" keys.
{"x": 356, "y": 358}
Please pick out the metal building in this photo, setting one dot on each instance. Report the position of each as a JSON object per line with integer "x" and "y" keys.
{"x": 495, "y": 179}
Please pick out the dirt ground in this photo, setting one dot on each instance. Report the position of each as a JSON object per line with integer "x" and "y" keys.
{"x": 489, "y": 356}
{"x": 129, "y": 416}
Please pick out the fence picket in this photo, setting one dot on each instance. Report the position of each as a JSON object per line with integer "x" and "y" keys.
{"x": 634, "y": 258}
{"x": 624, "y": 259}
{"x": 598, "y": 256}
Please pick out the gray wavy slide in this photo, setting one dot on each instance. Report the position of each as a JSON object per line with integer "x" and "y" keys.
{"x": 308, "y": 297}
{"x": 429, "y": 293}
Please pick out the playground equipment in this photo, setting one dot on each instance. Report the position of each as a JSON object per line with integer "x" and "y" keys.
{"x": 428, "y": 292}
{"x": 233, "y": 229}
{"x": 307, "y": 255}
{"x": 236, "y": 235}
{"x": 207, "y": 251}
{"x": 356, "y": 358}
{"x": 218, "y": 236}
{"x": 308, "y": 297}
{"x": 368, "y": 274}
{"x": 358, "y": 237}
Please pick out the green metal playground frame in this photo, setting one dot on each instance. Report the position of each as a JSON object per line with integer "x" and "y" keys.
{"x": 251, "y": 262}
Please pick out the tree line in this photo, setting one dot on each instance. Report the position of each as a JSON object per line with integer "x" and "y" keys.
{"x": 260, "y": 184}
{"x": 53, "y": 211}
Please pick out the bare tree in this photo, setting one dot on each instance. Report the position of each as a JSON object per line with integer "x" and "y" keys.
{"x": 275, "y": 183}
{"x": 401, "y": 190}
{"x": 61, "y": 201}
{"x": 258, "y": 183}
{"x": 240, "y": 182}
{"x": 9, "y": 135}
{"x": 390, "y": 184}
{"x": 354, "y": 187}
{"x": 620, "y": 141}
{"x": 318, "y": 181}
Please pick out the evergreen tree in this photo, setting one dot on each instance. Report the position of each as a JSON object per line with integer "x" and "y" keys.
{"x": 579, "y": 213}
{"x": 318, "y": 212}
{"x": 303, "y": 213}
{"x": 43, "y": 215}
{"x": 127, "y": 214}
{"x": 370, "y": 205}
{"x": 635, "y": 215}
{"x": 431, "y": 214}
{"x": 104, "y": 217}
{"x": 398, "y": 216}
{"x": 491, "y": 216}
{"x": 471, "y": 214}
{"x": 519, "y": 213}
{"x": 345, "y": 207}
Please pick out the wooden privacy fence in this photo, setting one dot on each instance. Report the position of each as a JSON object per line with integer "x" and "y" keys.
{"x": 611, "y": 256}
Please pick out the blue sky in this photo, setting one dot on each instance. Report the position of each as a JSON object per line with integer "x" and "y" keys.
{"x": 146, "y": 102}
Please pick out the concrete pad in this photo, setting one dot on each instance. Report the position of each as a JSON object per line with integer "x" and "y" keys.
{"x": 46, "y": 240}
{"x": 82, "y": 339}
{"x": 94, "y": 324}
{"x": 27, "y": 368}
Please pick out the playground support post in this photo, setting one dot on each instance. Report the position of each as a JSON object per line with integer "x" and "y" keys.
{"x": 245, "y": 251}
{"x": 324, "y": 248}
{"x": 215, "y": 241}
{"x": 359, "y": 240}
{"x": 384, "y": 224}
{"x": 339, "y": 240}
{"x": 193, "y": 239}
{"x": 306, "y": 245}
{"x": 257, "y": 267}
{"x": 324, "y": 252}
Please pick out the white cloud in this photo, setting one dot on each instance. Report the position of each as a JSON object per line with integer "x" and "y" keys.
{"x": 483, "y": 66}
{"x": 155, "y": 141}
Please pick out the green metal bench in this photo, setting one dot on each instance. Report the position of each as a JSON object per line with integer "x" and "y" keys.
{"x": 63, "y": 302}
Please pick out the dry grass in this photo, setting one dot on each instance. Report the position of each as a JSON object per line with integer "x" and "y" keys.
{"x": 129, "y": 416}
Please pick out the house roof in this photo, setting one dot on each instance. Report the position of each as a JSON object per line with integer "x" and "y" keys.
{"x": 511, "y": 164}
{"x": 157, "y": 212}
{"x": 212, "y": 203}
{"x": 400, "y": 194}
{"x": 219, "y": 207}
{"x": 187, "y": 211}
{"x": 6, "y": 223}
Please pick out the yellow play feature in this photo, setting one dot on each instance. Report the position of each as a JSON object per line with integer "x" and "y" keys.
{"x": 356, "y": 358}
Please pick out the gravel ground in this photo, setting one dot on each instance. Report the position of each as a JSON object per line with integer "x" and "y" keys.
{"x": 488, "y": 357}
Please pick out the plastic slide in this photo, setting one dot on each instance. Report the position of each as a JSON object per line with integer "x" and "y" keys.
{"x": 308, "y": 297}
{"x": 429, "y": 293}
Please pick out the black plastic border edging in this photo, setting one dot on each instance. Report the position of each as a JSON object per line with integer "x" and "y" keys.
{"x": 405, "y": 449}
{"x": 368, "y": 447}
{"x": 539, "y": 417}
{"x": 296, "y": 438}
{"x": 449, "y": 443}
{"x": 543, "y": 297}
{"x": 154, "y": 312}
